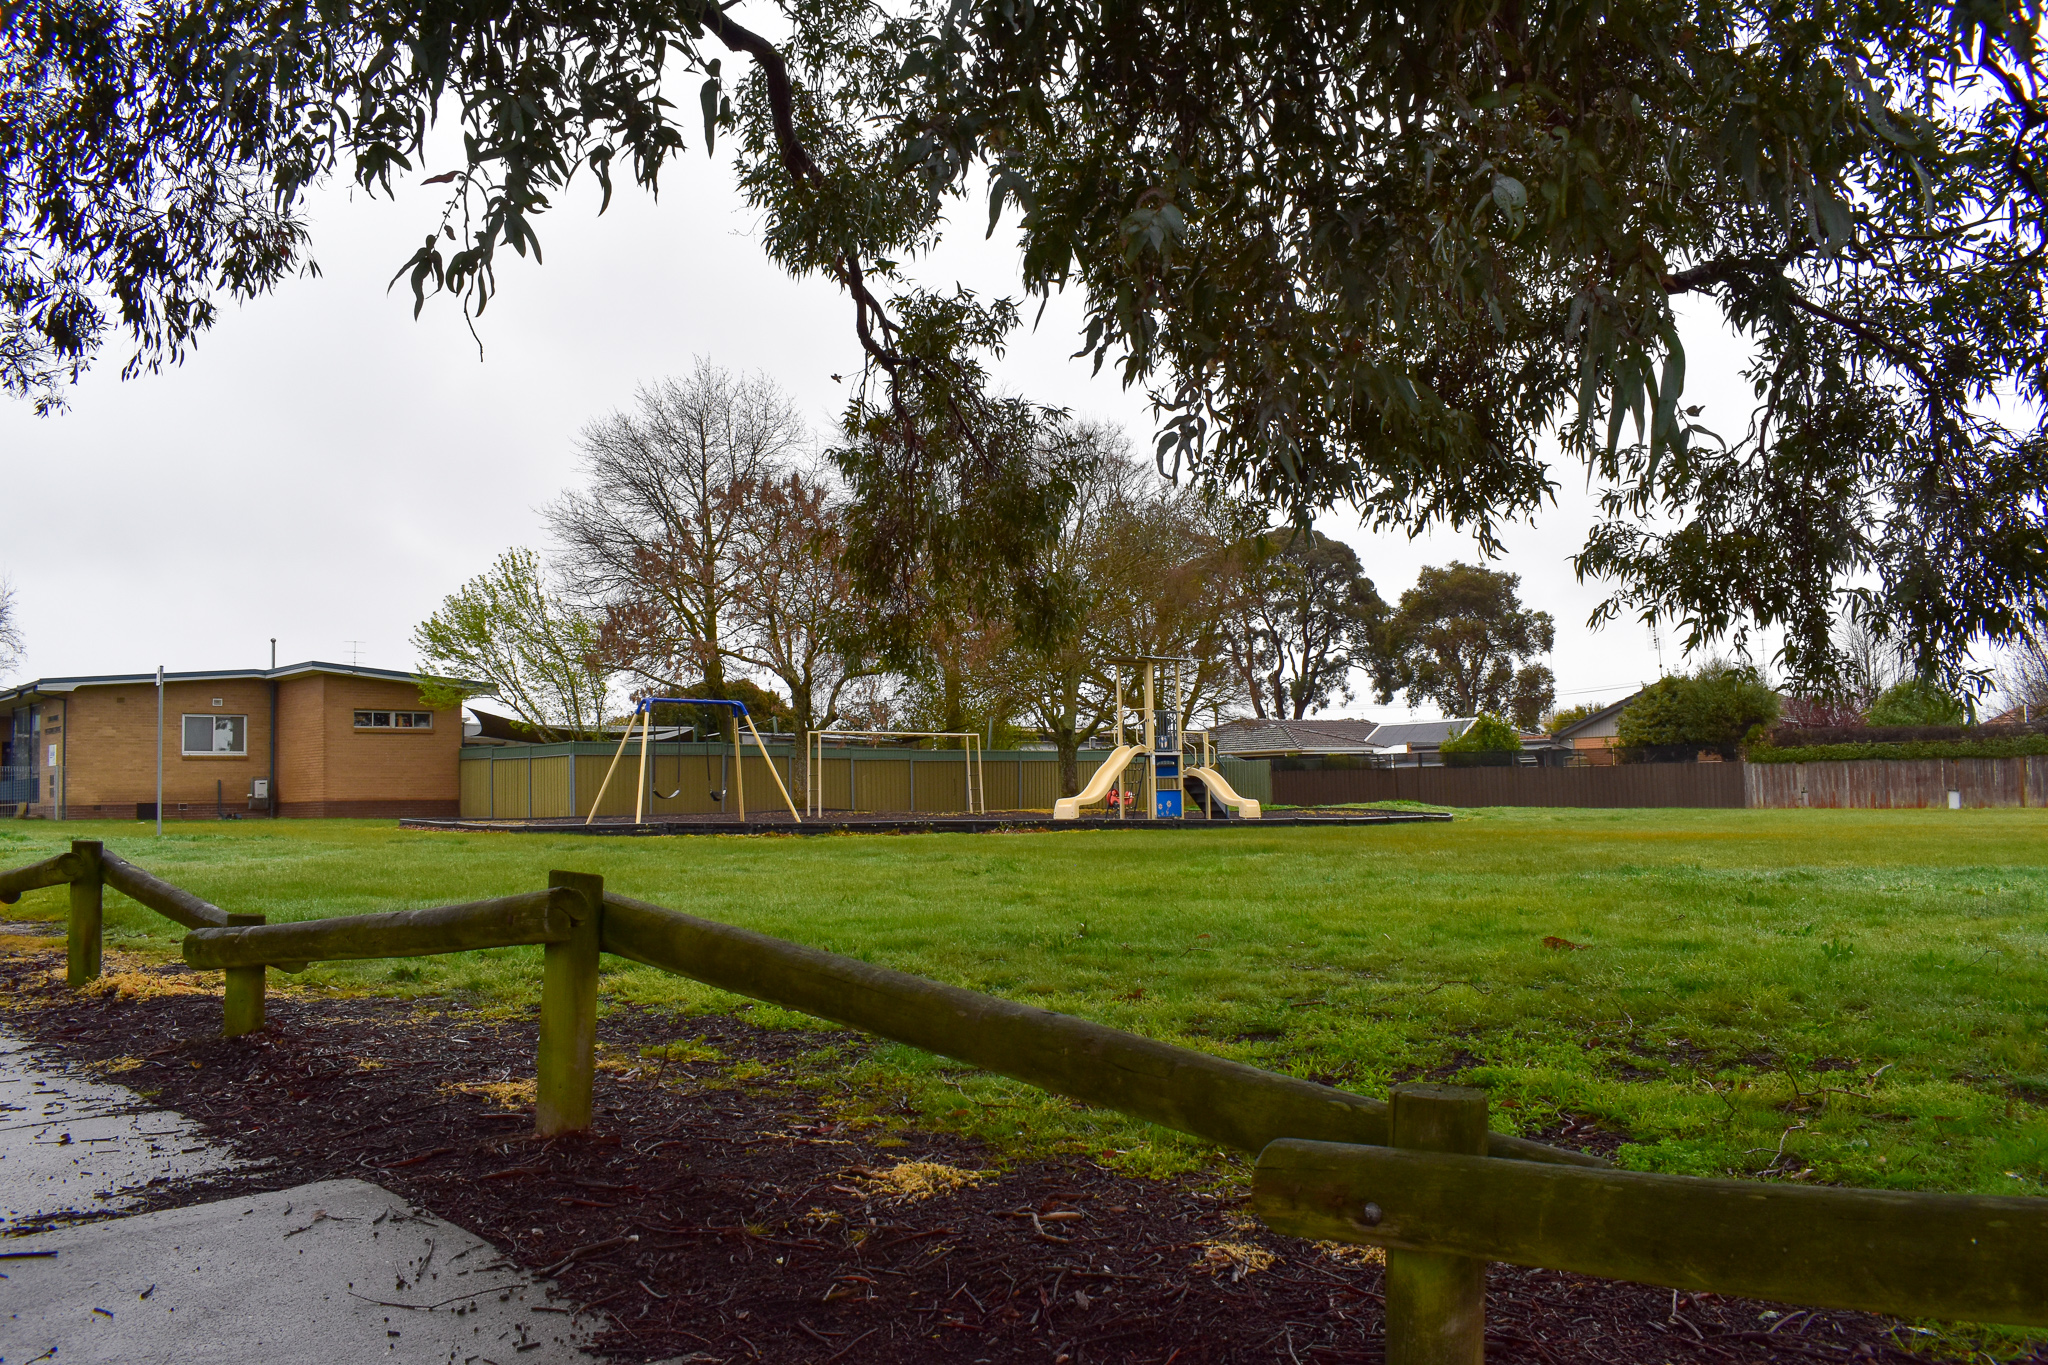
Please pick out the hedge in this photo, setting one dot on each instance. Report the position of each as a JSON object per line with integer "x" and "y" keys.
{"x": 2020, "y": 747}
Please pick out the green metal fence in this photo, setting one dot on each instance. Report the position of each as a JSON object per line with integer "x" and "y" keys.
{"x": 557, "y": 781}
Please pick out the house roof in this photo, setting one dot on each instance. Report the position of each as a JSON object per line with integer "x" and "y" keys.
{"x": 1598, "y": 718}
{"x": 52, "y": 686}
{"x": 1295, "y": 736}
{"x": 1254, "y": 737}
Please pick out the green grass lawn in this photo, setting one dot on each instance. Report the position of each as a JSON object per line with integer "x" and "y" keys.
{"x": 1853, "y": 997}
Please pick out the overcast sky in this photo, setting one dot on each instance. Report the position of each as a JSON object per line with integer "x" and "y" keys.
{"x": 325, "y": 468}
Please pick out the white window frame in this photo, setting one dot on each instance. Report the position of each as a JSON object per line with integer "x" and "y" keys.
{"x": 419, "y": 720}
{"x": 212, "y": 718}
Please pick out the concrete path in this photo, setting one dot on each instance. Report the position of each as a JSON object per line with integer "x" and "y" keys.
{"x": 341, "y": 1271}
{"x": 324, "y": 1274}
{"x": 73, "y": 1145}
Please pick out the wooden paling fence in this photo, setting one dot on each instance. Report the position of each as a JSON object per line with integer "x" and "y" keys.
{"x": 1422, "y": 1176}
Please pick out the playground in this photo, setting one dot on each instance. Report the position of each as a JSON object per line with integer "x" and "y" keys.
{"x": 1156, "y": 774}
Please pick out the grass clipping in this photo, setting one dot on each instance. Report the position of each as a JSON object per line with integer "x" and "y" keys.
{"x": 1238, "y": 1259}
{"x": 909, "y": 1182}
{"x": 510, "y": 1095}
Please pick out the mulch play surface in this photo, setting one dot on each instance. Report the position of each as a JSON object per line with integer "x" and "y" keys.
{"x": 711, "y": 1221}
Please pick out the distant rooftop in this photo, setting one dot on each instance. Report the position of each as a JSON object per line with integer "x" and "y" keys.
{"x": 1259, "y": 738}
{"x": 58, "y": 686}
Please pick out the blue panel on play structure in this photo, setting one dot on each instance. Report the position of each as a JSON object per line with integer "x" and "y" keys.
{"x": 1166, "y": 765}
{"x": 1166, "y": 806}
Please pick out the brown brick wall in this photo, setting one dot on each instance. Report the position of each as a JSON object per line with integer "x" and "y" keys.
{"x": 372, "y": 810}
{"x": 328, "y": 760}
{"x": 326, "y": 767}
{"x": 107, "y": 746}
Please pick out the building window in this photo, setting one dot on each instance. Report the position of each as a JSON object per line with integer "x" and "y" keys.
{"x": 216, "y": 735}
{"x": 394, "y": 720}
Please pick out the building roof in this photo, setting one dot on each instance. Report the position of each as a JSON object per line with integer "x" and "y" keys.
{"x": 50, "y": 686}
{"x": 1600, "y": 722}
{"x": 1407, "y": 734}
{"x": 1251, "y": 738}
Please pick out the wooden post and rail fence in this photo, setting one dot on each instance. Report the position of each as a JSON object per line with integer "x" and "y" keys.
{"x": 1421, "y": 1177}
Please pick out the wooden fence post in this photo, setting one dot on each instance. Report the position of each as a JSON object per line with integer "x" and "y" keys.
{"x": 568, "y": 1014}
{"x": 1436, "y": 1304}
{"x": 242, "y": 1010}
{"x": 88, "y": 892}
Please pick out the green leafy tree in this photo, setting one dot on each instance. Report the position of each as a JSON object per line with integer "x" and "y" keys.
{"x": 1568, "y": 716}
{"x": 1354, "y": 252}
{"x": 1488, "y": 734}
{"x": 1718, "y": 705}
{"x": 509, "y": 630}
{"x": 1917, "y": 701}
{"x": 1303, "y": 617}
{"x": 1462, "y": 640}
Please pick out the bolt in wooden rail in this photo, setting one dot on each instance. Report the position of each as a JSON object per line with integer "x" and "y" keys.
{"x": 88, "y": 910}
{"x": 1223, "y": 1101}
{"x": 1909, "y": 1254}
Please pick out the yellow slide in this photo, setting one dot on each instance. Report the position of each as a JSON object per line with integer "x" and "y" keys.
{"x": 1069, "y": 807}
{"x": 1245, "y": 806}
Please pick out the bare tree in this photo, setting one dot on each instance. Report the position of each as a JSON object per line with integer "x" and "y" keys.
{"x": 656, "y": 538}
{"x": 11, "y": 642}
{"x": 2023, "y": 676}
{"x": 795, "y": 613}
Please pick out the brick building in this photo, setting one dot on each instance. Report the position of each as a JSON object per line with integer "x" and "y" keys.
{"x": 305, "y": 740}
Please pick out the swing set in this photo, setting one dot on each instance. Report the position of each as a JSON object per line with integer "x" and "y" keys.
{"x": 643, "y": 713}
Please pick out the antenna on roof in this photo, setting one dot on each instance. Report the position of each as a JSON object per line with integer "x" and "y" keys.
{"x": 273, "y": 653}
{"x": 355, "y": 653}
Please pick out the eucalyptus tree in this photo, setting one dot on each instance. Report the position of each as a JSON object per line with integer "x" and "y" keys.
{"x": 1356, "y": 252}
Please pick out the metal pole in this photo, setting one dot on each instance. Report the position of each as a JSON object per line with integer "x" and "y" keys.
{"x": 160, "y": 751}
{"x": 640, "y": 792}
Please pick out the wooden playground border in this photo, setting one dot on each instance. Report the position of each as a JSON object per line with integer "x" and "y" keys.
{"x": 894, "y": 823}
{"x": 1421, "y": 1177}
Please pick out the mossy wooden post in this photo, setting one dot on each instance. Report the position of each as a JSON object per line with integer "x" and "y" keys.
{"x": 243, "y": 1010}
{"x": 1436, "y": 1304}
{"x": 568, "y": 1013}
{"x": 88, "y": 892}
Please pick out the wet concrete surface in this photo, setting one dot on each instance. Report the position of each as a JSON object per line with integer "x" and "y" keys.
{"x": 74, "y": 1146}
{"x": 336, "y": 1271}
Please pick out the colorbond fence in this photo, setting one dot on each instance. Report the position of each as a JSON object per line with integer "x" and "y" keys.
{"x": 1422, "y": 1177}
{"x": 556, "y": 781}
{"x": 1632, "y": 784}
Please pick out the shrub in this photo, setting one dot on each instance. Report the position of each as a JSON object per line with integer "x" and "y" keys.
{"x": 1719, "y": 706}
{"x": 1917, "y": 701}
{"x": 2011, "y": 744}
{"x": 1571, "y": 715}
{"x": 1486, "y": 735}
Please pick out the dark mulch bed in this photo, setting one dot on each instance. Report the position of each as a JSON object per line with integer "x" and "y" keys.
{"x": 721, "y": 1224}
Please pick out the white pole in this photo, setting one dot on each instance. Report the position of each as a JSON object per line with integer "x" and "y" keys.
{"x": 159, "y": 751}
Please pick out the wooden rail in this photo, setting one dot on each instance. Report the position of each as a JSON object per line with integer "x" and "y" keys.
{"x": 536, "y": 917}
{"x": 1218, "y": 1100}
{"x": 1421, "y": 1176}
{"x": 1883, "y": 1251}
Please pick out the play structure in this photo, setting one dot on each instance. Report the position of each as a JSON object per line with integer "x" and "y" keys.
{"x": 970, "y": 752}
{"x": 643, "y": 712}
{"x": 1160, "y": 739}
